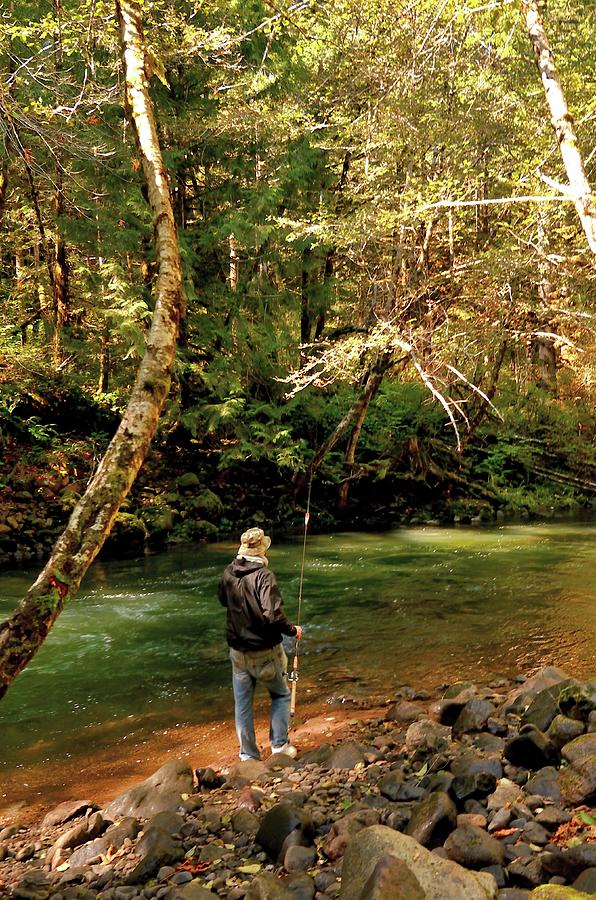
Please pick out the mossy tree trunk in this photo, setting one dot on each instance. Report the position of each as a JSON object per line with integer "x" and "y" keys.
{"x": 91, "y": 520}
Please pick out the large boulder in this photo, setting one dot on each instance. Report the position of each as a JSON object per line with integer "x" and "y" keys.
{"x": 439, "y": 879}
{"x": 162, "y": 791}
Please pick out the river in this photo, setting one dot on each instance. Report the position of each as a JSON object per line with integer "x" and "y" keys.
{"x": 140, "y": 650}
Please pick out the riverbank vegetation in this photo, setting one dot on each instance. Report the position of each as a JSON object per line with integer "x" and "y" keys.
{"x": 387, "y": 263}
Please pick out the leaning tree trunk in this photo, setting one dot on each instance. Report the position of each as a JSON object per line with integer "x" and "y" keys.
{"x": 373, "y": 383}
{"x": 371, "y": 386}
{"x": 92, "y": 518}
{"x": 562, "y": 122}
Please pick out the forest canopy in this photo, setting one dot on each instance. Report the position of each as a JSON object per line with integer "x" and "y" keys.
{"x": 384, "y": 267}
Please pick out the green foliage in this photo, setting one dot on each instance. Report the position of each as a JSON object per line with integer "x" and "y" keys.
{"x": 305, "y": 173}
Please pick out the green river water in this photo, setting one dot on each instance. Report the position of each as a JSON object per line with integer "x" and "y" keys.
{"x": 141, "y": 647}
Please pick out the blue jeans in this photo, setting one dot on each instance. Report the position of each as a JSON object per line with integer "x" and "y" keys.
{"x": 269, "y": 667}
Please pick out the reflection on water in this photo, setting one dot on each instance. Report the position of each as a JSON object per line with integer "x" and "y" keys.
{"x": 141, "y": 648}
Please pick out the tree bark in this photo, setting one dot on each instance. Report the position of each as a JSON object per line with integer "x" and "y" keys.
{"x": 562, "y": 122}
{"x": 57, "y": 248}
{"x": 371, "y": 386}
{"x": 92, "y": 518}
{"x": 373, "y": 383}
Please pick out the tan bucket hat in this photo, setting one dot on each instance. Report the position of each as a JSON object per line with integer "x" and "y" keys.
{"x": 254, "y": 542}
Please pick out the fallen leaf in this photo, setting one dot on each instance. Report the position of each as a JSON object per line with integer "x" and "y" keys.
{"x": 250, "y": 869}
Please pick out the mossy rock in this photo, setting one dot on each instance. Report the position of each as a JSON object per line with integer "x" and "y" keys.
{"x": 188, "y": 481}
{"x": 158, "y": 518}
{"x": 128, "y": 536}
{"x": 576, "y": 701}
{"x": 193, "y": 530}
{"x": 558, "y": 892}
{"x": 209, "y": 503}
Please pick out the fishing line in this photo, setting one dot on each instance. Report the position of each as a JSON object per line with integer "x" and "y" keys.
{"x": 293, "y": 676}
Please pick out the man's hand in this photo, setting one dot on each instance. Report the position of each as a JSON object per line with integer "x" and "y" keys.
{"x": 298, "y": 631}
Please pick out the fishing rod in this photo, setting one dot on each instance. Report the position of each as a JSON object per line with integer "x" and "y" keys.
{"x": 293, "y": 676}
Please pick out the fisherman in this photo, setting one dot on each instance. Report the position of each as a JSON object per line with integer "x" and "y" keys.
{"x": 256, "y": 623}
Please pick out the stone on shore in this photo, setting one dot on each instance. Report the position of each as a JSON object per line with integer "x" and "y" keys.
{"x": 66, "y": 811}
{"x": 283, "y": 826}
{"x": 578, "y": 780}
{"x": 433, "y": 819}
{"x": 440, "y": 879}
{"x": 160, "y": 792}
{"x": 471, "y": 846}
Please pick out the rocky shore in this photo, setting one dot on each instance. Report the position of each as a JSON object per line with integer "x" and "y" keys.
{"x": 480, "y": 792}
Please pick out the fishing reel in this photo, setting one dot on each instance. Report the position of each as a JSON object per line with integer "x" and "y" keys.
{"x": 293, "y": 675}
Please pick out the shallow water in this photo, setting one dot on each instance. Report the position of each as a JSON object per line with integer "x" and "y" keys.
{"x": 141, "y": 648}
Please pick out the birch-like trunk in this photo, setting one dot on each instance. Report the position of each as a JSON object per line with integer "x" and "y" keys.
{"x": 92, "y": 518}
{"x": 562, "y": 122}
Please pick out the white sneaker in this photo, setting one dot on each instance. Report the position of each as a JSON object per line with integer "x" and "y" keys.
{"x": 286, "y": 749}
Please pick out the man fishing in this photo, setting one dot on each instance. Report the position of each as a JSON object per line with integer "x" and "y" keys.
{"x": 256, "y": 623}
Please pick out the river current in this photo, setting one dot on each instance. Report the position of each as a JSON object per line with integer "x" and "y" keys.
{"x": 141, "y": 647}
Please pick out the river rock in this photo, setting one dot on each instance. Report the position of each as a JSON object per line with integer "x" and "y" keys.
{"x": 578, "y": 780}
{"x": 283, "y": 826}
{"x": 191, "y": 891}
{"x": 391, "y": 879}
{"x": 70, "y": 809}
{"x": 470, "y": 763}
{"x": 551, "y": 816}
{"x": 114, "y": 837}
{"x": 346, "y": 755}
{"x": 570, "y": 862}
{"x": 472, "y": 847}
{"x": 267, "y": 887}
{"x": 578, "y": 701}
{"x": 439, "y": 879}
{"x": 162, "y": 791}
{"x": 519, "y": 699}
{"x": 473, "y": 716}
{"x": 506, "y": 793}
{"x": 244, "y": 821}
{"x": 426, "y": 736}
{"x": 544, "y": 705}
{"x": 586, "y": 881}
{"x": 432, "y": 819}
{"x": 462, "y": 690}
{"x": 345, "y": 828}
{"x": 299, "y": 859}
{"x": 545, "y": 783}
{"x": 558, "y": 892}
{"x": 531, "y": 749}
{"x": 86, "y": 830}
{"x": 525, "y": 872}
{"x": 246, "y": 771}
{"x": 404, "y": 712}
{"x": 156, "y": 847}
{"x": 391, "y": 783}
{"x": 562, "y": 730}
{"x": 301, "y": 885}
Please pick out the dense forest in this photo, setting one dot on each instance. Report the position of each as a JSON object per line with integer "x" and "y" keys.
{"x": 387, "y": 244}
